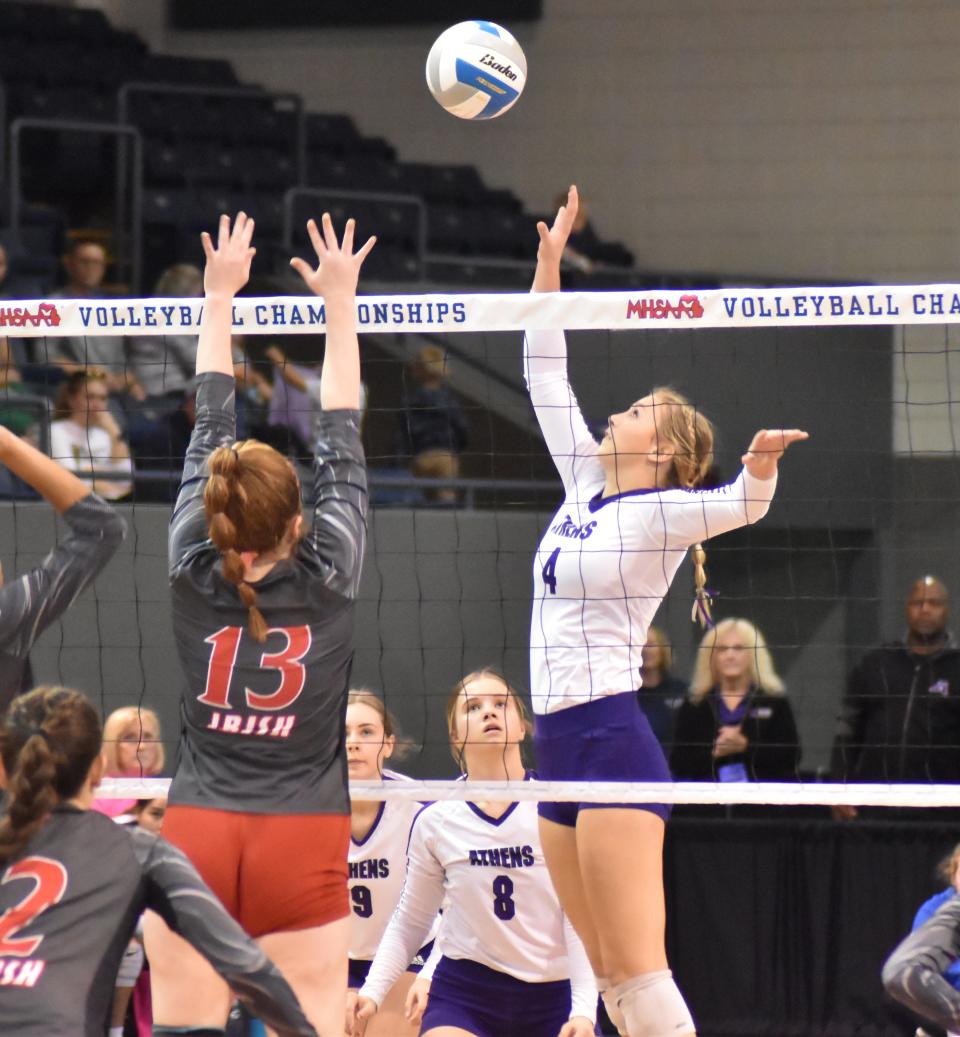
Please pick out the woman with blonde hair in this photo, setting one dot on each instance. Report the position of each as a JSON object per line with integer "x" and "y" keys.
{"x": 737, "y": 724}
{"x": 633, "y": 505}
{"x": 131, "y": 749}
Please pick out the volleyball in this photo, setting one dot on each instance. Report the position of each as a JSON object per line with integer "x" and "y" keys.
{"x": 476, "y": 70}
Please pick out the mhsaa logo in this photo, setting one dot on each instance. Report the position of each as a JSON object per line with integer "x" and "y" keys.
{"x": 46, "y": 315}
{"x": 661, "y": 309}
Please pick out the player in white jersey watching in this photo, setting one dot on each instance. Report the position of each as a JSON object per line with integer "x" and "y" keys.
{"x": 631, "y": 510}
{"x": 379, "y": 833}
{"x": 512, "y": 966}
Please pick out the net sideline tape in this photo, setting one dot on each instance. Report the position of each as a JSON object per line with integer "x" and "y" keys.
{"x": 688, "y": 792}
{"x": 517, "y": 311}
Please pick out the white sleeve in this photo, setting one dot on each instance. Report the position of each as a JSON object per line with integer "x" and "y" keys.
{"x": 583, "y": 984}
{"x": 568, "y": 439}
{"x": 430, "y": 965}
{"x": 691, "y": 516}
{"x": 410, "y": 925}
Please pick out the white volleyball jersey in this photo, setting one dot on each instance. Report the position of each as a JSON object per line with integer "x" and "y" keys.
{"x": 377, "y": 868}
{"x": 500, "y": 908}
{"x": 604, "y": 564}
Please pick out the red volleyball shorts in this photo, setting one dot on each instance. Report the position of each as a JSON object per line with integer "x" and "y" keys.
{"x": 273, "y": 873}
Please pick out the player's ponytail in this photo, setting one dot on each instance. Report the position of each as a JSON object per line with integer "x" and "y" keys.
{"x": 251, "y": 497}
{"x": 49, "y": 740}
{"x": 691, "y": 434}
{"x": 703, "y": 600}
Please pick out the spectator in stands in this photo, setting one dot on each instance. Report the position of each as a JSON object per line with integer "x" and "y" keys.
{"x": 900, "y": 719}
{"x": 164, "y": 364}
{"x": 85, "y": 264}
{"x": 132, "y": 748}
{"x": 296, "y": 394}
{"x": 85, "y": 437}
{"x": 736, "y": 724}
{"x": 661, "y": 694}
{"x": 432, "y": 430}
{"x": 19, "y": 419}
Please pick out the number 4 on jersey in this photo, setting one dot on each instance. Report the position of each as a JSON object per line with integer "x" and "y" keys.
{"x": 549, "y": 571}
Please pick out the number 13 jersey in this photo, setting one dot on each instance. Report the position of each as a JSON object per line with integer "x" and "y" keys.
{"x": 262, "y": 724}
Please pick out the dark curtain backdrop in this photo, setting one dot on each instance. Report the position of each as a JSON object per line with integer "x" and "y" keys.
{"x": 780, "y": 927}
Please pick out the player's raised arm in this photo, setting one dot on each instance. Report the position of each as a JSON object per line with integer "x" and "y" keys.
{"x": 335, "y": 278}
{"x": 339, "y": 499}
{"x": 30, "y": 603}
{"x": 568, "y": 439}
{"x": 227, "y": 271}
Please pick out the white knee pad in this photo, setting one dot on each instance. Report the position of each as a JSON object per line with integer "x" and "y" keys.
{"x": 130, "y": 965}
{"x": 652, "y": 1006}
{"x": 609, "y": 1003}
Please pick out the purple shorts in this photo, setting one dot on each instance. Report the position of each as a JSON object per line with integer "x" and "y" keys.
{"x": 487, "y": 1003}
{"x": 357, "y": 968}
{"x": 608, "y": 739}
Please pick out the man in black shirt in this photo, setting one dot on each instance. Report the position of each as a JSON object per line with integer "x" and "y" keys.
{"x": 900, "y": 720}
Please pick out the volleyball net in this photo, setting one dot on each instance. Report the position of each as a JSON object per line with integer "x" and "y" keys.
{"x": 864, "y": 508}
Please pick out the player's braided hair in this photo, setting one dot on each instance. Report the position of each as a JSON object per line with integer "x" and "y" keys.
{"x": 691, "y": 434}
{"x": 49, "y": 740}
{"x": 251, "y": 499}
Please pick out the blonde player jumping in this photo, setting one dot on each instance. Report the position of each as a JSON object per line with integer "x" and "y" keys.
{"x": 630, "y": 512}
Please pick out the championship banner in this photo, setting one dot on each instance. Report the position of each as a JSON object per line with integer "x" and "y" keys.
{"x": 517, "y": 311}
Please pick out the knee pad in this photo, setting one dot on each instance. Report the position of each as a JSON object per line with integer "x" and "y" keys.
{"x": 652, "y": 1006}
{"x": 613, "y": 1012}
{"x": 131, "y": 965}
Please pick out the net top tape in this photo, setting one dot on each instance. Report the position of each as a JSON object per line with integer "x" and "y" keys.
{"x": 689, "y": 792}
{"x": 516, "y": 311}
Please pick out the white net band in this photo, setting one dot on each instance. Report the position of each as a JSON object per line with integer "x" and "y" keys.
{"x": 518, "y": 311}
{"x": 704, "y": 793}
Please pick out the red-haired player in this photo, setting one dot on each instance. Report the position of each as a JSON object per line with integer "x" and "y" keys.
{"x": 263, "y": 618}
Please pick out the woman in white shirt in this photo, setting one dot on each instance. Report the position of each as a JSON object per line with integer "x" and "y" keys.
{"x": 85, "y": 436}
{"x": 511, "y": 964}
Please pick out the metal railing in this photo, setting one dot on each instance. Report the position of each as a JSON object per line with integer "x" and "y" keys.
{"x": 238, "y": 92}
{"x": 376, "y": 197}
{"x": 128, "y": 257}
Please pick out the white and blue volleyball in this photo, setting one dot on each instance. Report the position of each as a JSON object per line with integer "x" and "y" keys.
{"x": 476, "y": 70}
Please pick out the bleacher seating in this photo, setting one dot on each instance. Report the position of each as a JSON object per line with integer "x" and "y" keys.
{"x": 209, "y": 151}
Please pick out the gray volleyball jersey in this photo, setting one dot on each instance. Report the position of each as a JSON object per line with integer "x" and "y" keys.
{"x": 31, "y": 602}
{"x": 262, "y": 725}
{"x": 69, "y": 905}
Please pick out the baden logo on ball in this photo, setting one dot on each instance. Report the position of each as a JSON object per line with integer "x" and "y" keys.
{"x": 476, "y": 70}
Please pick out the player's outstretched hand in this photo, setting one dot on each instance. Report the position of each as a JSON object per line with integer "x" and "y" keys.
{"x": 767, "y": 448}
{"x": 363, "y": 1011}
{"x": 577, "y": 1026}
{"x": 338, "y": 269}
{"x": 553, "y": 239}
{"x": 416, "y": 1004}
{"x": 228, "y": 265}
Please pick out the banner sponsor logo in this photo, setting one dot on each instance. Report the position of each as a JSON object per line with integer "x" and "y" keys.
{"x": 664, "y": 309}
{"x": 45, "y": 315}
